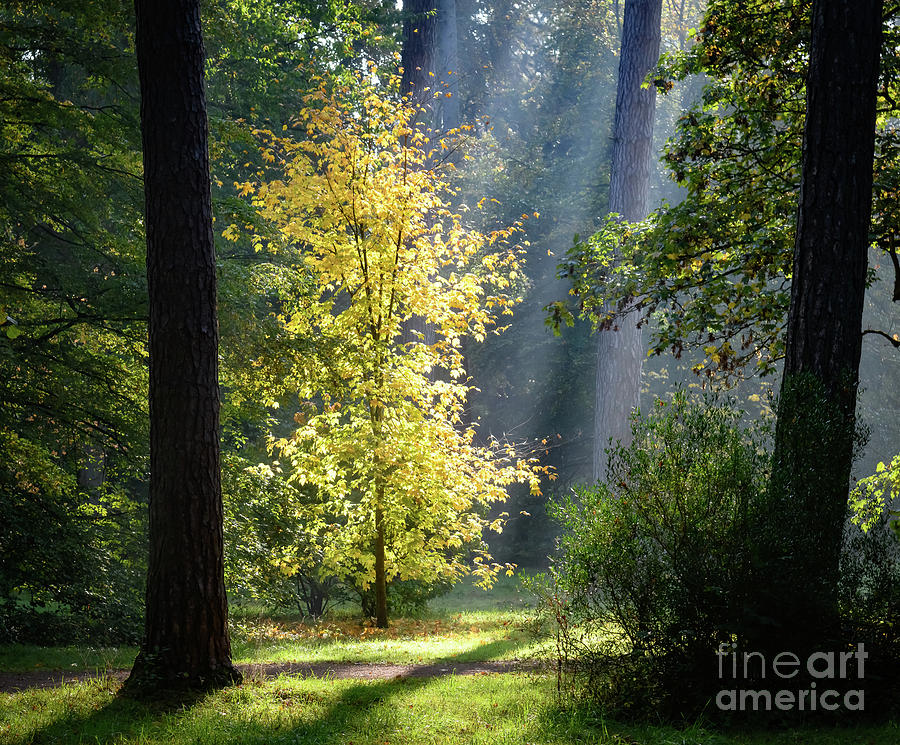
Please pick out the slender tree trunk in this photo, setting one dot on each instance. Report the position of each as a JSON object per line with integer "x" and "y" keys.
{"x": 815, "y": 433}
{"x": 376, "y": 413}
{"x": 620, "y": 349}
{"x": 381, "y": 613}
{"x": 422, "y": 58}
{"x": 186, "y": 643}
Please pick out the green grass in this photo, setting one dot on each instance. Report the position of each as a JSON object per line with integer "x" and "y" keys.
{"x": 489, "y": 709}
{"x": 465, "y": 637}
{"x": 494, "y": 625}
{"x": 471, "y": 636}
{"x": 455, "y": 710}
{"x": 19, "y": 658}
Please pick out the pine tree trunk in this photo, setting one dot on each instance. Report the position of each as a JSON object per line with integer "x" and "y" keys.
{"x": 186, "y": 642}
{"x": 417, "y": 56}
{"x": 447, "y": 67}
{"x": 620, "y": 349}
{"x": 815, "y": 432}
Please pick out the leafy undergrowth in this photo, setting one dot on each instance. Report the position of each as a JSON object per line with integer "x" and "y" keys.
{"x": 495, "y": 709}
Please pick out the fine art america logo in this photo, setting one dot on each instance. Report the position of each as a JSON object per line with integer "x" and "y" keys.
{"x": 822, "y": 668}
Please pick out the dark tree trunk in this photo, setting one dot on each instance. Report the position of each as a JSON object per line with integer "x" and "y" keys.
{"x": 815, "y": 433}
{"x": 381, "y": 610}
{"x": 186, "y": 643}
{"x": 830, "y": 254}
{"x": 447, "y": 67}
{"x": 417, "y": 56}
{"x": 620, "y": 350}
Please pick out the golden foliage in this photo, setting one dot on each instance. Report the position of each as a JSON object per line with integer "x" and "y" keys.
{"x": 362, "y": 210}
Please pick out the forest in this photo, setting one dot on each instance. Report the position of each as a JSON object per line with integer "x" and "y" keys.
{"x": 450, "y": 371}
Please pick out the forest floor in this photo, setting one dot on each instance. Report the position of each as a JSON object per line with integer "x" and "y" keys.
{"x": 496, "y": 633}
{"x": 12, "y": 682}
{"x": 477, "y": 676}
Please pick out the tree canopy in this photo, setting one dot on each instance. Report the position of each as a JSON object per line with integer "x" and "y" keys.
{"x": 381, "y": 436}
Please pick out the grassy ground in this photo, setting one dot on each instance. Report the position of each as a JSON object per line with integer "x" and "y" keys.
{"x": 454, "y": 710}
{"x": 490, "y": 626}
{"x": 495, "y": 709}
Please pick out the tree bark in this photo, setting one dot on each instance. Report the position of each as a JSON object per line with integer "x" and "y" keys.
{"x": 447, "y": 67}
{"x": 186, "y": 643}
{"x": 816, "y": 425}
{"x": 381, "y": 611}
{"x": 620, "y": 350}
{"x": 417, "y": 57}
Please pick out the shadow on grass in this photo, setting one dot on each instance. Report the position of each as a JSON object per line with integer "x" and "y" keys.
{"x": 283, "y": 709}
{"x": 491, "y": 651}
{"x": 280, "y": 710}
{"x": 93, "y": 712}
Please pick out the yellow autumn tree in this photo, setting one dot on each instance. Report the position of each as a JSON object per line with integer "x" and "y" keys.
{"x": 365, "y": 219}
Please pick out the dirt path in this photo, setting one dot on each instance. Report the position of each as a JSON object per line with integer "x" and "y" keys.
{"x": 13, "y": 682}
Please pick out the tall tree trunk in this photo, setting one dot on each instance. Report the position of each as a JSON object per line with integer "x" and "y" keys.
{"x": 447, "y": 67}
{"x": 815, "y": 432}
{"x": 429, "y": 58}
{"x": 417, "y": 57}
{"x": 422, "y": 54}
{"x": 186, "y": 643}
{"x": 619, "y": 350}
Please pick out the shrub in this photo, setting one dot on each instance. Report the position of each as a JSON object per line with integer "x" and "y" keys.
{"x": 273, "y": 550}
{"x": 869, "y": 596}
{"x": 652, "y": 568}
{"x": 71, "y": 561}
{"x": 407, "y": 598}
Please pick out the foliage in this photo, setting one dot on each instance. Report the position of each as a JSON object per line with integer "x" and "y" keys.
{"x": 71, "y": 264}
{"x": 653, "y": 566}
{"x": 873, "y": 495}
{"x": 869, "y": 599}
{"x": 713, "y": 271}
{"x": 870, "y": 585}
{"x": 274, "y": 549}
{"x": 67, "y": 572}
{"x": 380, "y": 434}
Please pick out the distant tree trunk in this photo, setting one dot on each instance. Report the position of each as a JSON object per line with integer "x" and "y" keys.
{"x": 417, "y": 57}
{"x": 447, "y": 67}
{"x": 186, "y": 643}
{"x": 421, "y": 56}
{"x": 620, "y": 351}
{"x": 816, "y": 419}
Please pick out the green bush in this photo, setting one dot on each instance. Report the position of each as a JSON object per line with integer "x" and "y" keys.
{"x": 406, "y": 598}
{"x": 272, "y": 554}
{"x": 869, "y": 598}
{"x": 71, "y": 562}
{"x": 652, "y": 568}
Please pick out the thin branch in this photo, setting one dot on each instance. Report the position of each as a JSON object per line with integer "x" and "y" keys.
{"x": 878, "y": 332}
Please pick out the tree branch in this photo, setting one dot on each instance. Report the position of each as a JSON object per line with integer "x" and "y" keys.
{"x": 878, "y": 332}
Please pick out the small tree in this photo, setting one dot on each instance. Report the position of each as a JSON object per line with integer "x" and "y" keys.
{"x": 380, "y": 429}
